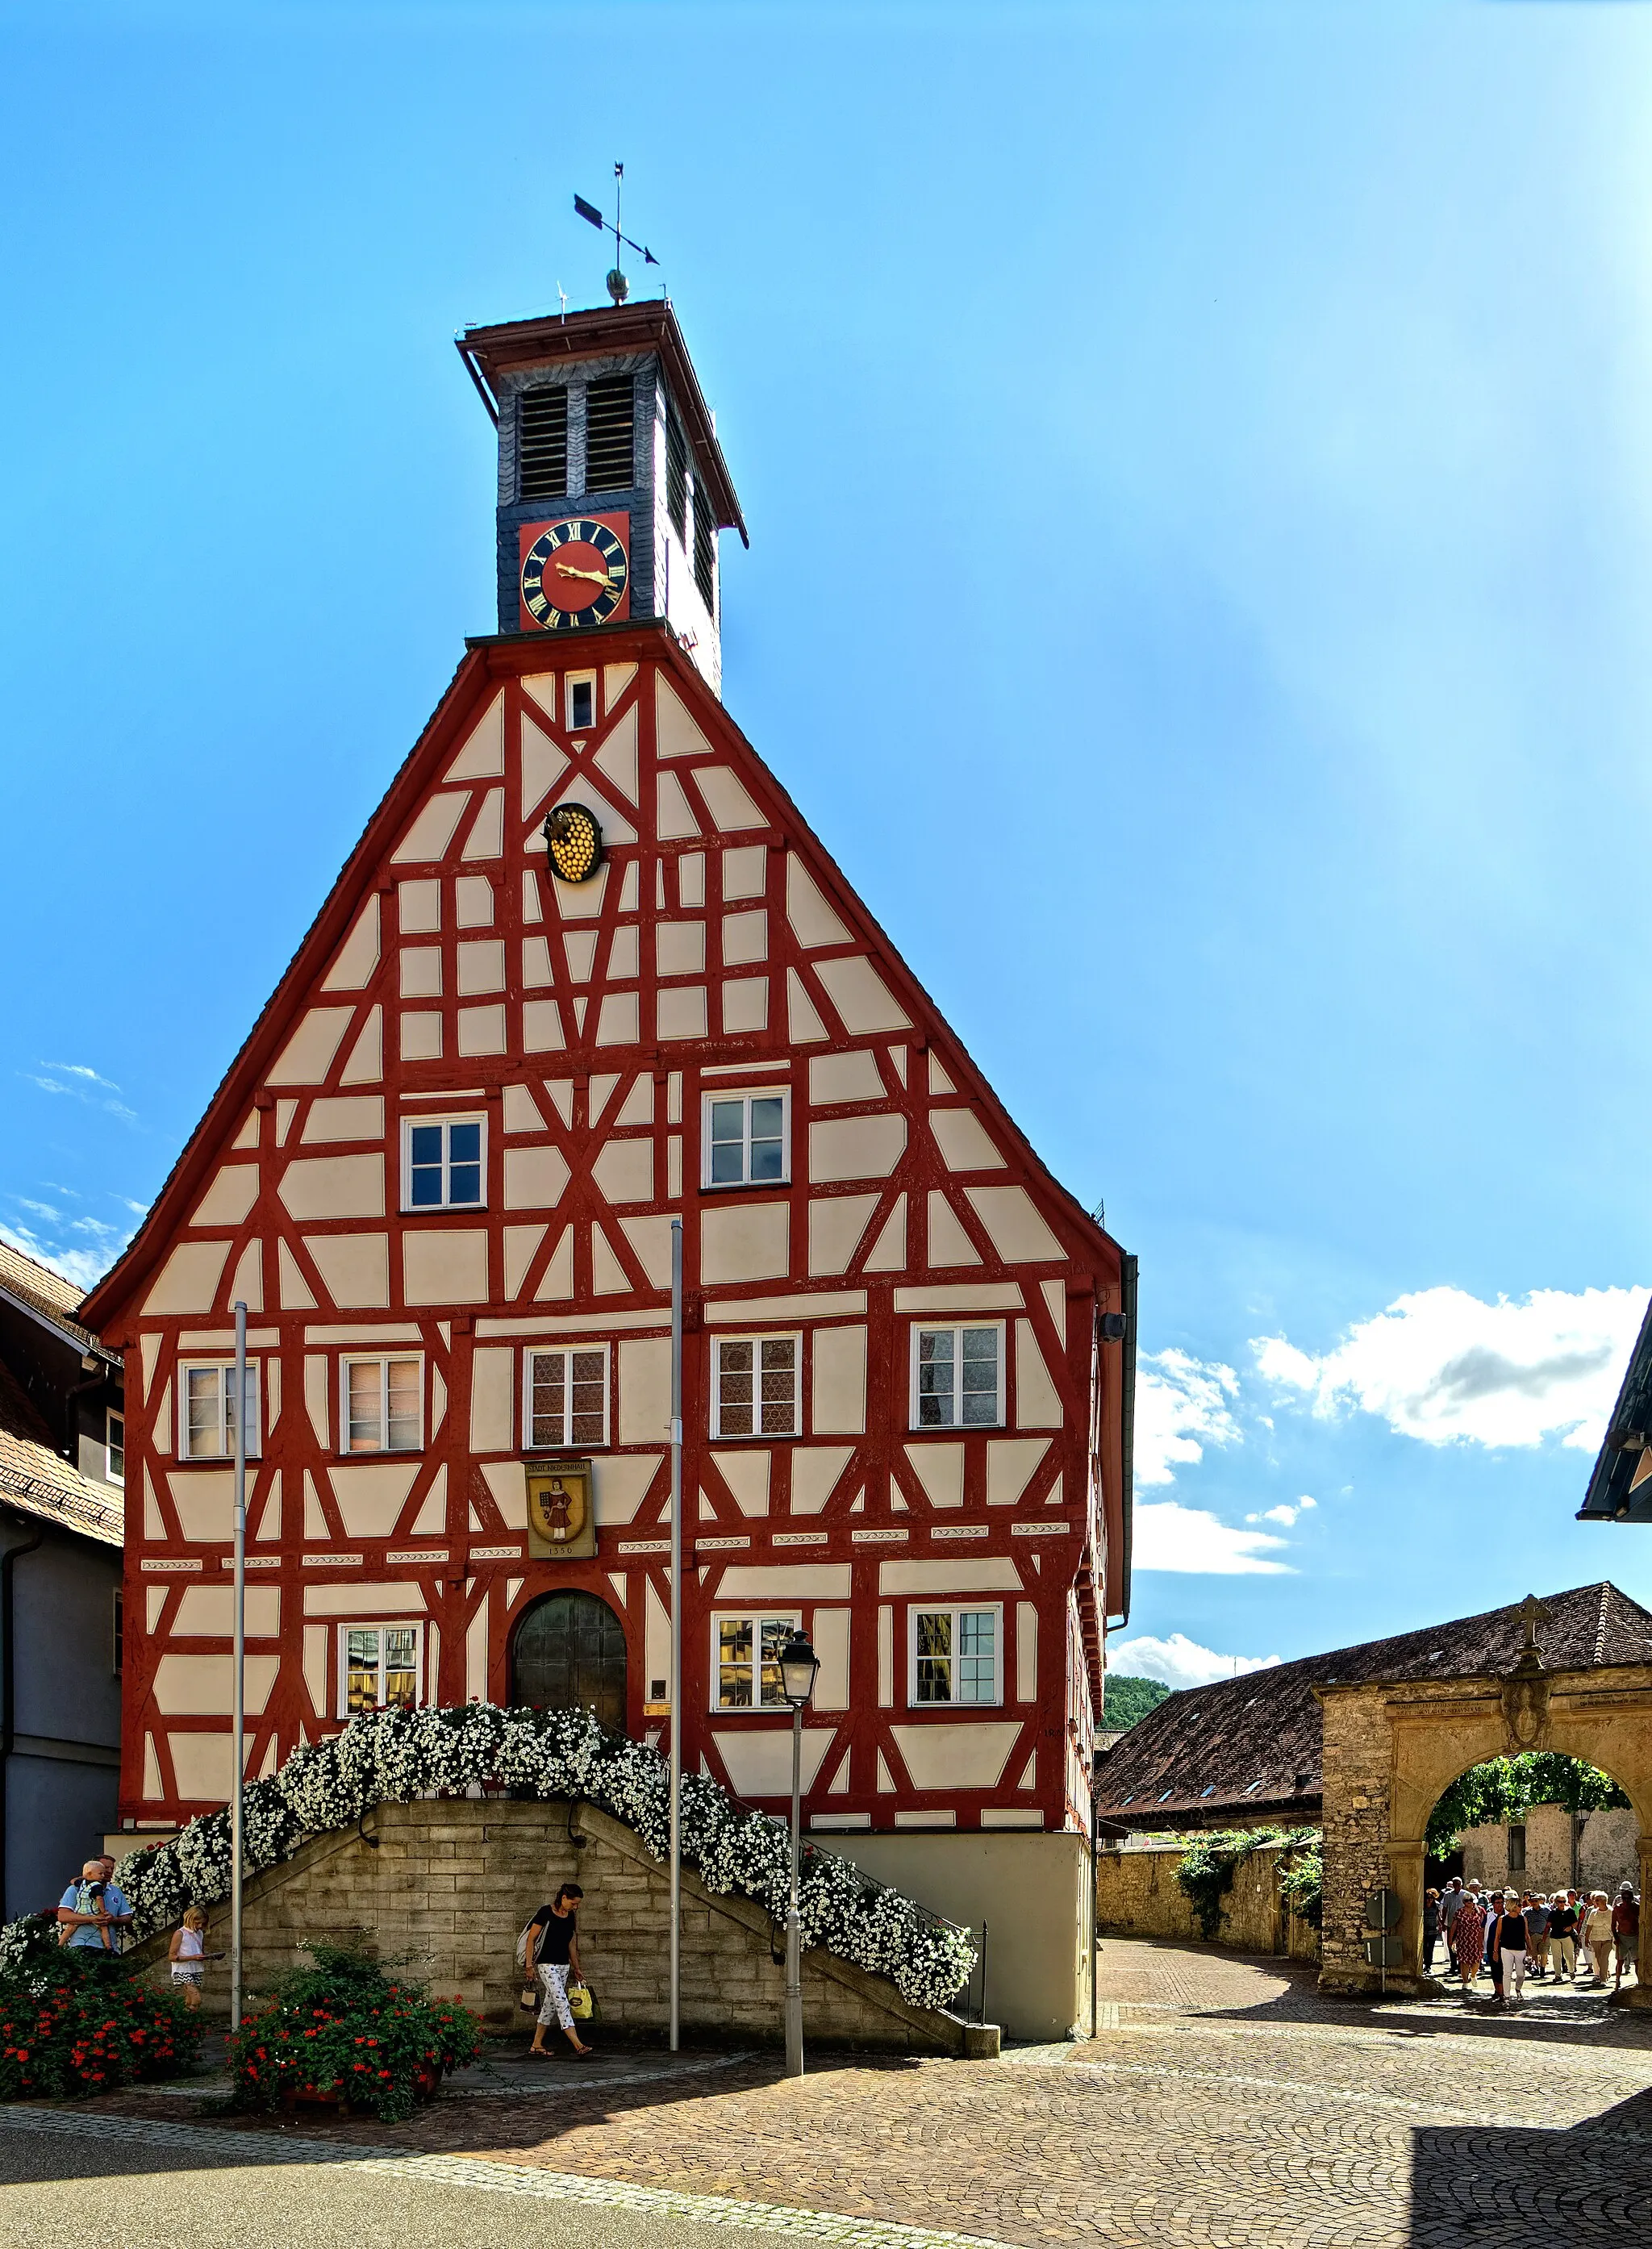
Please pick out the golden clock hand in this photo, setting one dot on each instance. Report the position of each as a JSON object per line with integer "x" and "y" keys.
{"x": 595, "y": 577}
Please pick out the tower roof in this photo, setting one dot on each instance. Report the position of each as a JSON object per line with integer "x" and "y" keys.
{"x": 507, "y": 347}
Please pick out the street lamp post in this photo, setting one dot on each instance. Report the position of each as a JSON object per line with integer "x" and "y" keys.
{"x": 798, "y": 1665}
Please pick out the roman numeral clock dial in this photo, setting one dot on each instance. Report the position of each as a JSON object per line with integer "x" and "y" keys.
{"x": 575, "y": 573}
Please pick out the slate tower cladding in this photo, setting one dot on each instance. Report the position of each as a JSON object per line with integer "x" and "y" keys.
{"x": 603, "y": 428}
{"x": 589, "y": 970}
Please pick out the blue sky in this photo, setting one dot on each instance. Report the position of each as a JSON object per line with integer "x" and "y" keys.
{"x": 1200, "y": 490}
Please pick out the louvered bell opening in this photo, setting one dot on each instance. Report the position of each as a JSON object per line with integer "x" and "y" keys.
{"x": 610, "y": 410}
{"x": 676, "y": 476}
{"x": 705, "y": 550}
{"x": 543, "y": 444}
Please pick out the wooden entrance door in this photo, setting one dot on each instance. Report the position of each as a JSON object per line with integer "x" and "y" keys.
{"x": 568, "y": 1653}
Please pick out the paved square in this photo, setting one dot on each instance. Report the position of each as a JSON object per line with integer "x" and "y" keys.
{"x": 1224, "y": 2104}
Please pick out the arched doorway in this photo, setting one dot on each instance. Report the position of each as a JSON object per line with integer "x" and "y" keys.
{"x": 1394, "y": 1747}
{"x": 568, "y": 1652}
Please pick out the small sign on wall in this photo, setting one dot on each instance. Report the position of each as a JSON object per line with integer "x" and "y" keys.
{"x": 562, "y": 1512}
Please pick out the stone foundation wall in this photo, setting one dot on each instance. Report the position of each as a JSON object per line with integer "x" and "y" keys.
{"x": 453, "y": 1884}
{"x": 1608, "y": 1851}
{"x": 1138, "y": 1894}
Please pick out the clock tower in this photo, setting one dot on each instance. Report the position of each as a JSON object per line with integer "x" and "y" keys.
{"x": 612, "y": 486}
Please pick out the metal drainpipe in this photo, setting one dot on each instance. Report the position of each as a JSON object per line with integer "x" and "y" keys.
{"x": 8, "y": 1684}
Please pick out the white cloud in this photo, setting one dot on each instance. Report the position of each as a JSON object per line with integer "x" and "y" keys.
{"x": 1194, "y": 1542}
{"x": 1283, "y": 1514}
{"x": 81, "y": 1083}
{"x": 1443, "y": 1366}
{"x": 1179, "y": 1661}
{"x": 1181, "y": 1406}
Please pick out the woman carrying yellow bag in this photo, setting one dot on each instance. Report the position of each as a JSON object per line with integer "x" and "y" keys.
{"x": 553, "y": 1950}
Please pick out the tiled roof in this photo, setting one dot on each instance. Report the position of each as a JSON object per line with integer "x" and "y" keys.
{"x": 45, "y": 1292}
{"x": 1254, "y": 1746}
{"x": 39, "y": 1482}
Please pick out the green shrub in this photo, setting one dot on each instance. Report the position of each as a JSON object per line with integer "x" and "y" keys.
{"x": 345, "y": 2026}
{"x": 69, "y": 2027}
{"x": 1207, "y": 1867}
{"x": 1302, "y": 1873}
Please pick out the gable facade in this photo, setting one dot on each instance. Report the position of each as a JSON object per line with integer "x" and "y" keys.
{"x": 442, "y": 1175}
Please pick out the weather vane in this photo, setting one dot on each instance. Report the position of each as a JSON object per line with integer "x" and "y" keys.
{"x": 618, "y": 287}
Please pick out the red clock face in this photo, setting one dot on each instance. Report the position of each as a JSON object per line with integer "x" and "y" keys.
{"x": 574, "y": 572}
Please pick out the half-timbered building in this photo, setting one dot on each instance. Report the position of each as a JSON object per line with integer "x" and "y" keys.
{"x": 589, "y": 970}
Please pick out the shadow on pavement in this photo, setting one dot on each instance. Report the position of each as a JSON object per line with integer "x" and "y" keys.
{"x": 1588, "y": 2188}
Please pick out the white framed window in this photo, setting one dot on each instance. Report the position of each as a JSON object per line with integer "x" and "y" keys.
{"x": 443, "y": 1163}
{"x": 380, "y": 1664}
{"x": 381, "y": 1405}
{"x": 958, "y": 1377}
{"x": 578, "y": 691}
{"x": 565, "y": 1398}
{"x": 746, "y": 1138}
{"x": 746, "y": 1661}
{"x": 957, "y": 1654}
{"x": 755, "y": 1385}
{"x": 206, "y": 1410}
{"x": 114, "y": 1446}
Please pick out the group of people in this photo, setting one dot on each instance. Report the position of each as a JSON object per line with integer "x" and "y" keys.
{"x": 1513, "y": 1935}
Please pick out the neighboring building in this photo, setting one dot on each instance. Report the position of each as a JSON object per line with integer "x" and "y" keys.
{"x": 443, "y": 1171}
{"x": 1621, "y": 1485}
{"x": 1548, "y": 1851}
{"x": 1249, "y": 1751}
{"x": 61, "y": 1468}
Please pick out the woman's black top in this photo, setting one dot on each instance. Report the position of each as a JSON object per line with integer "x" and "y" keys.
{"x": 1563, "y": 1921}
{"x": 557, "y": 1932}
{"x": 1430, "y": 1919}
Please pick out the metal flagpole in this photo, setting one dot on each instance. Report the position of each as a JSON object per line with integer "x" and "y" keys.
{"x": 237, "y": 1751}
{"x": 675, "y": 1683}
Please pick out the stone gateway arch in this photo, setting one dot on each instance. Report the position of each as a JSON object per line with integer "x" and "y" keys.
{"x": 1392, "y": 1746}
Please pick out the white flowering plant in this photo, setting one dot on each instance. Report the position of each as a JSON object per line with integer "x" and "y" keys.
{"x": 396, "y": 1756}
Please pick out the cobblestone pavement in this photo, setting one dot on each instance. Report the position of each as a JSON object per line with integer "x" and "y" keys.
{"x": 1224, "y": 2105}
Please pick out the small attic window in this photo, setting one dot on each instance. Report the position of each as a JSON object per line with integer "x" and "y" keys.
{"x": 610, "y": 418}
{"x": 1254, "y": 1786}
{"x": 542, "y": 444}
{"x": 1166, "y": 1797}
{"x": 1208, "y": 1791}
{"x": 1130, "y": 1797}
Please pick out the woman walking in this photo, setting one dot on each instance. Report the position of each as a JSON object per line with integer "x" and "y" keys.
{"x": 554, "y": 1954}
{"x": 1430, "y": 1928}
{"x": 1469, "y": 1929}
{"x": 1597, "y": 1933}
{"x": 1563, "y": 1937}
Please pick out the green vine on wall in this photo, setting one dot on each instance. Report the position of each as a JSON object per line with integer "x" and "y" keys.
{"x": 1206, "y": 1868}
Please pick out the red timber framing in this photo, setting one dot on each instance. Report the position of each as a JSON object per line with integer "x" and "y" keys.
{"x": 585, "y": 1028}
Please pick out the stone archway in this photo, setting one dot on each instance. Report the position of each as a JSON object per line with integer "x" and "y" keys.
{"x": 1391, "y": 1747}
{"x": 568, "y": 1652}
